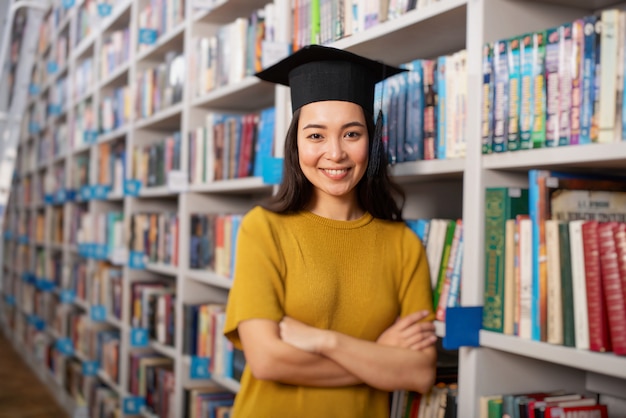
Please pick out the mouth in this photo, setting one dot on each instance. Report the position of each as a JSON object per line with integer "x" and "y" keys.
{"x": 335, "y": 172}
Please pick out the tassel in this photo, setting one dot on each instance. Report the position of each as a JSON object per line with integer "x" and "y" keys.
{"x": 376, "y": 153}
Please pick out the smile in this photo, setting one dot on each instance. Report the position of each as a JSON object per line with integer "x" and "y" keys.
{"x": 335, "y": 172}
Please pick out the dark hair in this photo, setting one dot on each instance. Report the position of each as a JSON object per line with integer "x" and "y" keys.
{"x": 377, "y": 194}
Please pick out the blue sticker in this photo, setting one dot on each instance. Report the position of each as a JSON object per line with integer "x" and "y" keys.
{"x": 101, "y": 191}
{"x": 52, "y": 67}
{"x": 33, "y": 128}
{"x": 104, "y": 9}
{"x": 67, "y": 4}
{"x": 54, "y": 109}
{"x": 137, "y": 260}
{"x": 28, "y": 277}
{"x": 60, "y": 196}
{"x": 272, "y": 171}
{"x": 132, "y": 187}
{"x": 85, "y": 193}
{"x": 100, "y": 251}
{"x": 148, "y": 36}
{"x": 33, "y": 89}
{"x": 90, "y": 136}
{"x": 45, "y": 285}
{"x": 98, "y": 313}
{"x": 131, "y": 405}
{"x": 9, "y": 300}
{"x": 36, "y": 322}
{"x": 23, "y": 239}
{"x": 67, "y": 296}
{"x": 8, "y": 235}
{"x": 48, "y": 199}
{"x": 90, "y": 368}
{"x": 65, "y": 346}
{"x": 138, "y": 337}
{"x": 199, "y": 368}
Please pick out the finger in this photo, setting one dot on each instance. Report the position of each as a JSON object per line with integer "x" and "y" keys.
{"x": 424, "y": 343}
{"x": 415, "y": 338}
{"x": 412, "y": 318}
{"x": 420, "y": 328}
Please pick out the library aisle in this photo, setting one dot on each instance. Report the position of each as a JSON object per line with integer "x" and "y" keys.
{"x": 22, "y": 395}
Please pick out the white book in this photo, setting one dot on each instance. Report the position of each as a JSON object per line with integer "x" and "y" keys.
{"x": 608, "y": 75}
{"x": 581, "y": 319}
{"x": 526, "y": 280}
{"x": 554, "y": 299}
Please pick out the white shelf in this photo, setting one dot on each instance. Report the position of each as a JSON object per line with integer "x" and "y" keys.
{"x": 208, "y": 277}
{"x": 598, "y": 156}
{"x": 171, "y": 41}
{"x": 440, "y": 329}
{"x": 228, "y": 10}
{"x": 120, "y": 132}
{"x": 163, "y": 349}
{"x": 109, "y": 382}
{"x": 233, "y": 186}
{"x": 249, "y": 94}
{"x": 84, "y": 47}
{"x": 162, "y": 269}
{"x": 605, "y": 363}
{"x": 158, "y": 191}
{"x": 428, "y": 170}
{"x": 228, "y": 383}
{"x": 115, "y": 77}
{"x": 168, "y": 118}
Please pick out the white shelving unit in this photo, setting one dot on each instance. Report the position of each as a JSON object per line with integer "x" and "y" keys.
{"x": 440, "y": 188}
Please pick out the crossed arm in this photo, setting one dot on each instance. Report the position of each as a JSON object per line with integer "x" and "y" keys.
{"x": 292, "y": 352}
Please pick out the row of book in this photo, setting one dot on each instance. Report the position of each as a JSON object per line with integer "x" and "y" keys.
{"x": 231, "y": 146}
{"x": 115, "y": 109}
{"x": 213, "y": 241}
{"x": 553, "y": 265}
{"x": 161, "y": 17}
{"x": 105, "y": 228}
{"x": 443, "y": 241}
{"x": 84, "y": 78}
{"x": 152, "y": 163}
{"x": 86, "y": 19}
{"x": 553, "y": 404}
{"x": 115, "y": 51}
{"x": 556, "y": 87}
{"x": 112, "y": 165}
{"x": 160, "y": 86}
{"x": 208, "y": 402}
{"x": 155, "y": 235}
{"x": 153, "y": 308}
{"x": 439, "y": 402}
{"x": 425, "y": 109}
{"x": 50, "y": 28}
{"x": 151, "y": 376}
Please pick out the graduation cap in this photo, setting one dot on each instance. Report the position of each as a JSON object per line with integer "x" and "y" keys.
{"x": 318, "y": 73}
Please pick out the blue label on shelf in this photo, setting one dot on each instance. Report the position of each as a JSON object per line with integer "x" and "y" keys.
{"x": 22, "y": 239}
{"x": 137, "y": 260}
{"x": 52, "y": 67}
{"x": 33, "y": 89}
{"x": 36, "y": 322}
{"x": 90, "y": 368}
{"x": 65, "y": 346}
{"x": 67, "y": 296}
{"x": 33, "y": 128}
{"x": 100, "y": 251}
{"x": 86, "y": 193}
{"x": 45, "y": 285}
{"x": 132, "y": 187}
{"x": 148, "y": 36}
{"x": 272, "y": 171}
{"x": 48, "y": 199}
{"x": 9, "y": 300}
{"x": 199, "y": 368}
{"x": 60, "y": 196}
{"x": 138, "y": 337}
{"x": 101, "y": 191}
{"x": 131, "y": 405}
{"x": 28, "y": 277}
{"x": 8, "y": 234}
{"x": 90, "y": 137}
{"x": 98, "y": 313}
{"x": 104, "y": 9}
{"x": 54, "y": 109}
{"x": 68, "y": 4}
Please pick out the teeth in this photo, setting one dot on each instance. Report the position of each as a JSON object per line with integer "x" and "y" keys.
{"x": 336, "y": 172}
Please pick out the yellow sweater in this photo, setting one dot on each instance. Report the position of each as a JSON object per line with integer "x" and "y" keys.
{"x": 354, "y": 277}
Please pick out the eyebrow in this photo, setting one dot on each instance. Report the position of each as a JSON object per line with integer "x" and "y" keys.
{"x": 344, "y": 126}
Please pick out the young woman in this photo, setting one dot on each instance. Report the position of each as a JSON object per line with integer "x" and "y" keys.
{"x": 331, "y": 299}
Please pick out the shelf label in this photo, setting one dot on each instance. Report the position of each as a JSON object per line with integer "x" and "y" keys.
{"x": 22, "y": 239}
{"x": 48, "y": 199}
{"x": 148, "y": 36}
{"x": 65, "y": 346}
{"x": 272, "y": 171}
{"x": 90, "y": 137}
{"x": 272, "y": 52}
{"x": 45, "y": 285}
{"x": 52, "y": 67}
{"x": 132, "y": 187}
{"x": 67, "y": 296}
{"x": 33, "y": 89}
{"x": 54, "y": 109}
{"x": 132, "y": 405}
{"x": 36, "y": 322}
{"x": 60, "y": 196}
{"x": 33, "y": 128}
{"x": 90, "y": 368}
{"x": 199, "y": 368}
{"x": 100, "y": 191}
{"x": 177, "y": 181}
{"x": 68, "y": 4}
{"x": 119, "y": 256}
{"x": 98, "y": 313}
{"x": 100, "y": 251}
{"x": 28, "y": 277}
{"x": 85, "y": 193}
{"x": 104, "y": 9}
{"x": 9, "y": 300}
{"x": 137, "y": 260}
{"x": 8, "y": 235}
{"x": 138, "y": 337}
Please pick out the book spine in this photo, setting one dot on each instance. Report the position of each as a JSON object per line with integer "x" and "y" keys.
{"x": 487, "y": 109}
{"x": 552, "y": 87}
{"x": 577, "y": 80}
{"x": 538, "y": 137}
{"x": 565, "y": 84}
{"x": 501, "y": 95}
{"x": 513, "y": 56}
{"x": 526, "y": 99}
{"x": 567, "y": 291}
{"x": 588, "y": 70}
{"x": 608, "y": 75}
{"x": 554, "y": 297}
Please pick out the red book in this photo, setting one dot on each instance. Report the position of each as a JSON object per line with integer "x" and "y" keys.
{"x": 596, "y": 411}
{"x": 619, "y": 235}
{"x": 596, "y": 306}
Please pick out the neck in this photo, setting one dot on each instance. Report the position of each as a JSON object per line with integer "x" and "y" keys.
{"x": 336, "y": 209}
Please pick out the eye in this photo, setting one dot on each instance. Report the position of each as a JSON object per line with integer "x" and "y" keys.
{"x": 315, "y": 136}
{"x": 353, "y": 134}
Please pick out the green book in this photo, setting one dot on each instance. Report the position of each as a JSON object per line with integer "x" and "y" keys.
{"x": 567, "y": 291}
{"x": 501, "y": 204}
{"x": 443, "y": 265}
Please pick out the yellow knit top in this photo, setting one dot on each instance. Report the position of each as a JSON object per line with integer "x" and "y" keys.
{"x": 355, "y": 277}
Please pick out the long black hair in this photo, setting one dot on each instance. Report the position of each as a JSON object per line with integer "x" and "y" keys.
{"x": 376, "y": 192}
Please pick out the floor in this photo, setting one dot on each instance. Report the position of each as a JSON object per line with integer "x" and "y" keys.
{"x": 22, "y": 395}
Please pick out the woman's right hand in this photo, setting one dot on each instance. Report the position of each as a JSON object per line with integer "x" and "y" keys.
{"x": 409, "y": 332}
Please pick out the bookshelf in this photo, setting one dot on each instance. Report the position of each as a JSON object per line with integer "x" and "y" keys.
{"x": 452, "y": 188}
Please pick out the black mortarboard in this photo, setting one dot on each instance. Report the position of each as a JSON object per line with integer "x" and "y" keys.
{"x": 317, "y": 73}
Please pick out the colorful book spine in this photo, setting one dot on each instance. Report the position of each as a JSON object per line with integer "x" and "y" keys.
{"x": 501, "y": 95}
{"x": 552, "y": 87}
{"x": 513, "y": 55}
{"x": 588, "y": 70}
{"x": 487, "y": 109}
{"x": 577, "y": 80}
{"x": 538, "y": 136}
{"x": 565, "y": 84}
{"x": 527, "y": 91}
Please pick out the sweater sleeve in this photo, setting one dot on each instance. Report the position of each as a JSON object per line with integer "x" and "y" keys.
{"x": 258, "y": 289}
{"x": 415, "y": 288}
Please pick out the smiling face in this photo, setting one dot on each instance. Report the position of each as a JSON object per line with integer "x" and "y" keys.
{"x": 333, "y": 150}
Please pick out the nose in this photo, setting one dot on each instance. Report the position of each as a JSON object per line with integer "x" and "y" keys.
{"x": 336, "y": 151}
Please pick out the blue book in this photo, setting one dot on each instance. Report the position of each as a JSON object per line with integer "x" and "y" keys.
{"x": 513, "y": 139}
{"x": 527, "y": 99}
{"x": 414, "y": 145}
{"x": 402, "y": 81}
{"x": 501, "y": 95}
{"x": 265, "y": 139}
{"x": 442, "y": 104}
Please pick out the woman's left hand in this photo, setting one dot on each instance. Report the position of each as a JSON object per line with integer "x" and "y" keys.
{"x": 302, "y": 336}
